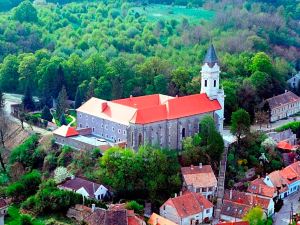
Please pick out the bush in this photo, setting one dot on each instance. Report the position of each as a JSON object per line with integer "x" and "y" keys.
{"x": 25, "y": 187}
{"x": 294, "y": 126}
{"x": 65, "y": 157}
{"x": 61, "y": 174}
{"x": 133, "y": 205}
{"x": 24, "y": 152}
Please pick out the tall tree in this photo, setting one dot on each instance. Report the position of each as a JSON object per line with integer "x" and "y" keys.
{"x": 62, "y": 102}
{"x": 25, "y": 12}
{"x": 2, "y": 100}
{"x": 46, "y": 114}
{"x": 27, "y": 100}
{"x": 4, "y": 130}
{"x": 78, "y": 98}
{"x": 9, "y": 75}
{"x": 62, "y": 120}
{"x": 240, "y": 124}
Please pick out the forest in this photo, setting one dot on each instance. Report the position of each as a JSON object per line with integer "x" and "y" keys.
{"x": 109, "y": 50}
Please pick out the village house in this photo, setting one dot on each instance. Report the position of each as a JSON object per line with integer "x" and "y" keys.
{"x": 237, "y": 204}
{"x": 153, "y": 119}
{"x": 293, "y": 82}
{"x": 234, "y": 223}
{"x": 285, "y": 181}
{"x": 116, "y": 215}
{"x": 259, "y": 188}
{"x": 85, "y": 187}
{"x": 283, "y": 106}
{"x": 3, "y": 210}
{"x": 200, "y": 179}
{"x": 189, "y": 208}
{"x": 156, "y": 219}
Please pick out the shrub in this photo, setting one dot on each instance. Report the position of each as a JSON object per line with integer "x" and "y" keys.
{"x": 65, "y": 157}
{"x": 61, "y": 174}
{"x": 133, "y": 205}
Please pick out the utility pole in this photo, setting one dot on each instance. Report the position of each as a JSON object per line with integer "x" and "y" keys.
{"x": 291, "y": 214}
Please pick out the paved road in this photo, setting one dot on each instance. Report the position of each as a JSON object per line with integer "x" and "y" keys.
{"x": 13, "y": 99}
{"x": 283, "y": 216}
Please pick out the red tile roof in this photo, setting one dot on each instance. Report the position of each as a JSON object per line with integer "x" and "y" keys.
{"x": 286, "y": 146}
{"x": 234, "y": 209}
{"x": 159, "y": 220}
{"x": 189, "y": 204}
{"x": 283, "y": 99}
{"x": 247, "y": 198}
{"x": 66, "y": 131}
{"x": 77, "y": 183}
{"x": 259, "y": 187}
{"x": 150, "y": 108}
{"x": 235, "y": 223}
{"x": 199, "y": 177}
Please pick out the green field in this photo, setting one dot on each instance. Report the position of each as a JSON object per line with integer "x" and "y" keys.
{"x": 155, "y": 12}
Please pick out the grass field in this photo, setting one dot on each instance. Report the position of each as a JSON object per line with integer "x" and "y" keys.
{"x": 155, "y": 12}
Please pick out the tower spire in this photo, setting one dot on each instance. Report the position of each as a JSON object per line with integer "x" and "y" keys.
{"x": 211, "y": 57}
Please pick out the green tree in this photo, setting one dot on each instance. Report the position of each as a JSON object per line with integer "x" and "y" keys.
{"x": 25, "y": 12}
{"x": 27, "y": 100}
{"x": 9, "y": 75}
{"x": 62, "y": 120}
{"x": 181, "y": 78}
{"x": 240, "y": 124}
{"x": 261, "y": 62}
{"x": 62, "y": 103}
{"x": 255, "y": 216}
{"x": 46, "y": 114}
{"x": 78, "y": 98}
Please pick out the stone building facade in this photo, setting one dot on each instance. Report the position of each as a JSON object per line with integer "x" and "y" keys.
{"x": 159, "y": 120}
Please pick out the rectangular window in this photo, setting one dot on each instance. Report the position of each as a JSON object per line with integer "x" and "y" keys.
{"x": 93, "y": 129}
{"x": 205, "y": 83}
{"x": 80, "y": 115}
{"x": 208, "y": 210}
{"x": 124, "y": 132}
{"x": 102, "y": 125}
{"x": 198, "y": 190}
{"x": 80, "y": 125}
{"x": 215, "y": 83}
{"x": 119, "y": 131}
{"x": 106, "y": 127}
{"x": 113, "y": 129}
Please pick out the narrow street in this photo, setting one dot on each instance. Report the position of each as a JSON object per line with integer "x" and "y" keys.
{"x": 283, "y": 216}
{"x": 220, "y": 188}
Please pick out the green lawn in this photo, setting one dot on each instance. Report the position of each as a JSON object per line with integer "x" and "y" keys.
{"x": 155, "y": 12}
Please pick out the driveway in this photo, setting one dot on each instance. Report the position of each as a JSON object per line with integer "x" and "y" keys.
{"x": 13, "y": 99}
{"x": 283, "y": 216}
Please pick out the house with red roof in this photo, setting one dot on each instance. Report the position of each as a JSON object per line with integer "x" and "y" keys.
{"x": 259, "y": 187}
{"x": 285, "y": 181}
{"x": 200, "y": 179}
{"x": 186, "y": 209}
{"x": 237, "y": 204}
{"x": 234, "y": 223}
{"x": 114, "y": 215}
{"x": 85, "y": 187}
{"x": 156, "y": 119}
{"x": 156, "y": 219}
{"x": 3, "y": 210}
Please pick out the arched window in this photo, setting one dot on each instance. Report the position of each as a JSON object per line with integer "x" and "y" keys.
{"x": 183, "y": 133}
{"x": 140, "y": 139}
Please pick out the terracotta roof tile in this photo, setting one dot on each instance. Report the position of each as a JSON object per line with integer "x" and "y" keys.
{"x": 285, "y": 98}
{"x": 234, "y": 209}
{"x": 159, "y": 220}
{"x": 235, "y": 223}
{"x": 150, "y": 108}
{"x": 66, "y": 131}
{"x": 189, "y": 203}
{"x": 199, "y": 177}
{"x": 259, "y": 187}
{"x": 248, "y": 199}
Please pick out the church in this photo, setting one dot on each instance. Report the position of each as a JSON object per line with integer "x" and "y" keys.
{"x": 157, "y": 119}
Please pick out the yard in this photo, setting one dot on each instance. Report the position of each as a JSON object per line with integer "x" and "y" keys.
{"x": 155, "y": 12}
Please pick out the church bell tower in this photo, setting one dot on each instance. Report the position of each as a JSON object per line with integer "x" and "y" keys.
{"x": 210, "y": 83}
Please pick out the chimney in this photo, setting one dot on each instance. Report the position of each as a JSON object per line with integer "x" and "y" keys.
{"x": 200, "y": 165}
{"x": 180, "y": 193}
{"x": 285, "y": 91}
{"x": 230, "y": 194}
{"x": 103, "y": 106}
{"x": 176, "y": 96}
{"x": 258, "y": 176}
{"x": 251, "y": 199}
{"x": 93, "y": 207}
{"x": 192, "y": 167}
{"x": 175, "y": 195}
{"x": 156, "y": 221}
{"x": 130, "y": 97}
